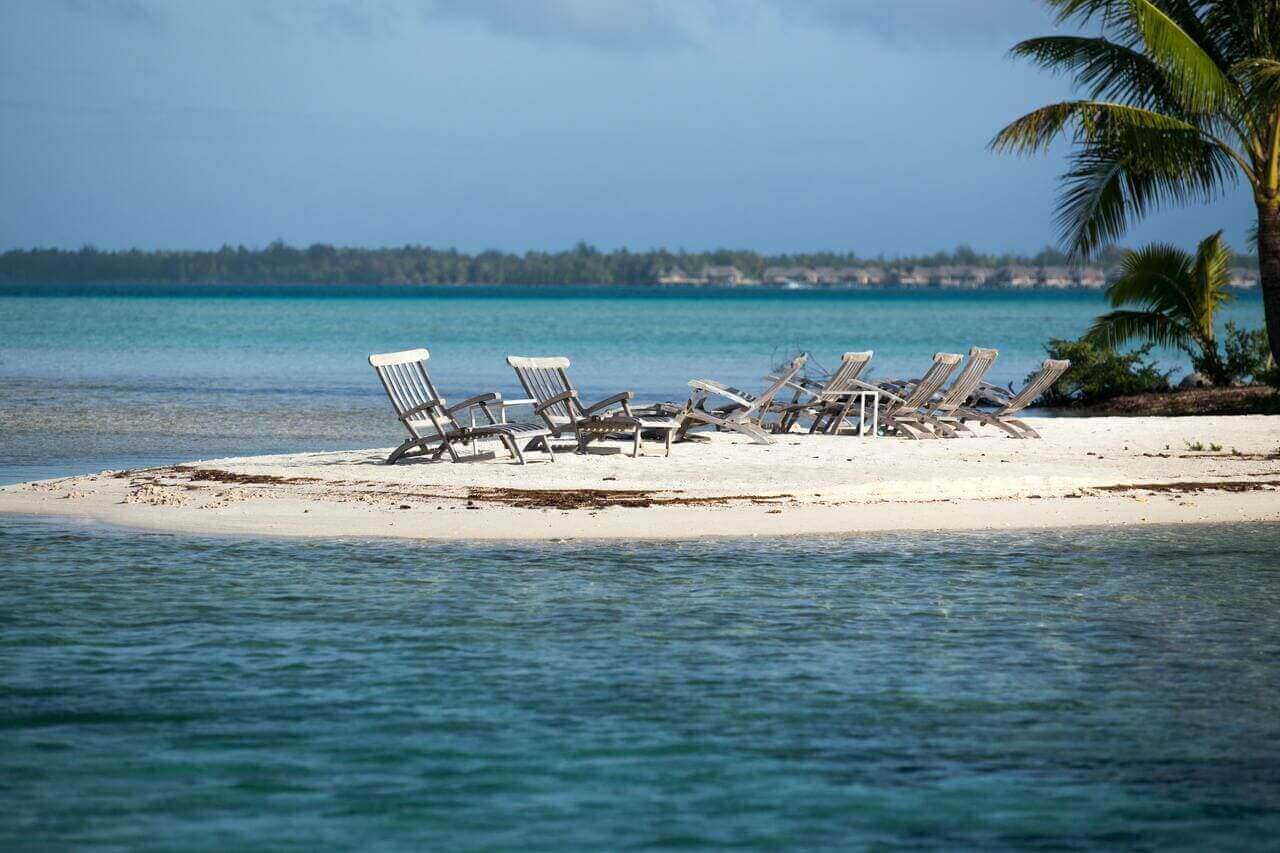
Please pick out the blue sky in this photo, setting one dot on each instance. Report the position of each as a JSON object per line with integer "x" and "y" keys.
{"x": 778, "y": 125}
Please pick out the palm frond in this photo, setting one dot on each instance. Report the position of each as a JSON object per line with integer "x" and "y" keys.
{"x": 1210, "y": 273}
{"x": 1088, "y": 120}
{"x": 1124, "y": 176}
{"x": 1262, "y": 76}
{"x": 1117, "y": 328}
{"x": 1153, "y": 277}
{"x": 1105, "y": 69}
{"x": 1197, "y": 80}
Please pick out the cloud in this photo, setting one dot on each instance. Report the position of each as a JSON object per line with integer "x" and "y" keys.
{"x": 125, "y": 10}
{"x": 639, "y": 24}
{"x": 924, "y": 22}
{"x": 608, "y": 23}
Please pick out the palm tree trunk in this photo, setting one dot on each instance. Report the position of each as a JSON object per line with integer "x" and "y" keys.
{"x": 1269, "y": 269}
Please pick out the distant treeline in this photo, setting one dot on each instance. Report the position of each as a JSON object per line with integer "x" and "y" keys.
{"x": 324, "y": 264}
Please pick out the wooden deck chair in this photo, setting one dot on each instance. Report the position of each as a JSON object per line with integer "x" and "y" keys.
{"x": 743, "y": 413}
{"x": 941, "y": 412}
{"x": 1007, "y": 403}
{"x": 828, "y": 403}
{"x": 908, "y": 416}
{"x": 430, "y": 419}
{"x": 547, "y": 381}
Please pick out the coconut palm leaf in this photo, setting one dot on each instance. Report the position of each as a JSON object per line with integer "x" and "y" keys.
{"x": 1088, "y": 120}
{"x": 1196, "y": 79}
{"x": 1106, "y": 70}
{"x": 1210, "y": 273}
{"x": 1117, "y": 328}
{"x": 1111, "y": 181}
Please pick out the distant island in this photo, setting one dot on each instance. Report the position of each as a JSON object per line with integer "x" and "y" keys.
{"x": 279, "y": 263}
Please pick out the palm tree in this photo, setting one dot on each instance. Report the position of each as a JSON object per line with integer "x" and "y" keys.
{"x": 1178, "y": 295}
{"x": 1182, "y": 100}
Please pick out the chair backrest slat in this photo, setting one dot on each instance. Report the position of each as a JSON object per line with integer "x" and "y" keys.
{"x": 943, "y": 364}
{"x": 405, "y": 378}
{"x": 852, "y": 364}
{"x": 762, "y": 402}
{"x": 1050, "y": 372}
{"x": 544, "y": 378}
{"x": 975, "y": 370}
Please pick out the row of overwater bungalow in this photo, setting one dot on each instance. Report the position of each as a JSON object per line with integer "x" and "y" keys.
{"x": 959, "y": 276}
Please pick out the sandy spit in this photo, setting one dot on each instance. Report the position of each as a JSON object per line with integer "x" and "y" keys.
{"x": 1085, "y": 472}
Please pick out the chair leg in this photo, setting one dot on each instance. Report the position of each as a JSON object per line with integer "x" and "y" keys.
{"x": 1030, "y": 433}
{"x": 635, "y": 444}
{"x": 668, "y": 434}
{"x": 514, "y": 447}
{"x": 750, "y": 430}
{"x": 1001, "y": 425}
{"x": 400, "y": 451}
{"x": 915, "y": 432}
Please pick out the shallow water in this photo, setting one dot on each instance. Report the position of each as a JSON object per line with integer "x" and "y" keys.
{"x": 116, "y": 376}
{"x": 1077, "y": 690}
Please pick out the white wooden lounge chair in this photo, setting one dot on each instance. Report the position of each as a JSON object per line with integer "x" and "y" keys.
{"x": 828, "y": 403}
{"x": 430, "y": 420}
{"x": 940, "y": 414}
{"x": 743, "y": 413}
{"x": 908, "y": 416}
{"x": 557, "y": 403}
{"x": 1007, "y": 403}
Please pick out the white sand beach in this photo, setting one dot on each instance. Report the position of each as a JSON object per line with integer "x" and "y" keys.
{"x": 1085, "y": 471}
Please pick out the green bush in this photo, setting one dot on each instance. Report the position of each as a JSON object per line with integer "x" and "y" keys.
{"x": 1099, "y": 374}
{"x": 1248, "y": 354}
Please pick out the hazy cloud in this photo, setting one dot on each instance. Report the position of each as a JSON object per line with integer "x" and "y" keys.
{"x": 128, "y": 10}
{"x": 638, "y": 24}
{"x": 618, "y": 23}
{"x": 925, "y": 22}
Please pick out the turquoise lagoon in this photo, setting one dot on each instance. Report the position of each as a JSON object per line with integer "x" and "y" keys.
{"x": 127, "y": 375}
{"x": 1079, "y": 689}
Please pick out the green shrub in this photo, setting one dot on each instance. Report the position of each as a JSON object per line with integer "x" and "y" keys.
{"x": 1248, "y": 354}
{"x": 1099, "y": 374}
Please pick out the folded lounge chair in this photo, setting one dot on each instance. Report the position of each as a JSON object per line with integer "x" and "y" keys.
{"x": 743, "y": 413}
{"x": 829, "y": 403}
{"x": 1007, "y": 403}
{"x": 909, "y": 416}
{"x": 430, "y": 420}
{"x": 547, "y": 381}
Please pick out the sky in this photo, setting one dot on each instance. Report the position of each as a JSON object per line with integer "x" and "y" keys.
{"x": 774, "y": 125}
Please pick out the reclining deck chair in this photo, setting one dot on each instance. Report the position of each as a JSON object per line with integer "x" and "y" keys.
{"x": 940, "y": 413}
{"x": 743, "y": 413}
{"x": 430, "y": 420}
{"x": 829, "y": 402}
{"x": 1007, "y": 403}
{"x": 547, "y": 381}
{"x": 909, "y": 416}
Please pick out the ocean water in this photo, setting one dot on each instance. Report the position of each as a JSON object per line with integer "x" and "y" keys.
{"x": 119, "y": 376}
{"x": 1075, "y": 690}
{"x": 1081, "y": 689}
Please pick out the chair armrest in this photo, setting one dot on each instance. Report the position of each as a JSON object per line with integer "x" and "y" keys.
{"x": 712, "y": 387}
{"x": 992, "y": 394}
{"x": 562, "y": 397}
{"x": 423, "y": 409}
{"x": 881, "y": 391}
{"x": 477, "y": 400}
{"x": 523, "y": 401}
{"x": 622, "y": 397}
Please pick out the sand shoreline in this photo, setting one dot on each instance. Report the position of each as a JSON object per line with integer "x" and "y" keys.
{"x": 1086, "y": 472}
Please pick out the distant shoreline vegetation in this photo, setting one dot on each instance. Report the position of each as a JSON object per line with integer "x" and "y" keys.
{"x": 279, "y": 263}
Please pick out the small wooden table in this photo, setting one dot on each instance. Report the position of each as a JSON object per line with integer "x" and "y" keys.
{"x": 861, "y": 396}
{"x": 637, "y": 425}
